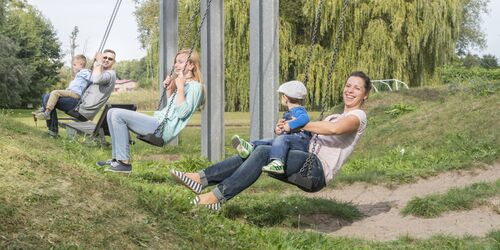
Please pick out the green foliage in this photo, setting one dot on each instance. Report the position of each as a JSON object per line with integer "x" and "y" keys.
{"x": 399, "y": 109}
{"x": 489, "y": 62}
{"x": 471, "y": 35}
{"x": 135, "y": 70}
{"x": 15, "y": 77}
{"x": 399, "y": 39}
{"x": 37, "y": 48}
{"x": 455, "y": 199}
{"x": 456, "y": 75}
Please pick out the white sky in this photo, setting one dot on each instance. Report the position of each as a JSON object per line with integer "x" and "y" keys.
{"x": 492, "y": 30}
{"x": 91, "y": 17}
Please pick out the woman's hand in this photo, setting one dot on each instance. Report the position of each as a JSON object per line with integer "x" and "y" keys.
{"x": 180, "y": 81}
{"x": 167, "y": 83}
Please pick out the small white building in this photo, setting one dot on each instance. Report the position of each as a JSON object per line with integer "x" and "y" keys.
{"x": 125, "y": 85}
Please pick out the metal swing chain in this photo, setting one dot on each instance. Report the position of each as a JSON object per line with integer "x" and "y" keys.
{"x": 313, "y": 40}
{"x": 159, "y": 129}
{"x": 181, "y": 45}
{"x": 307, "y": 167}
{"x": 100, "y": 49}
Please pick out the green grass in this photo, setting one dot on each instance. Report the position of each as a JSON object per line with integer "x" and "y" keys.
{"x": 273, "y": 209}
{"x": 53, "y": 196}
{"x": 421, "y": 132}
{"x": 455, "y": 199}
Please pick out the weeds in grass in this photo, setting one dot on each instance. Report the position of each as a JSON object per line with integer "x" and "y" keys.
{"x": 399, "y": 109}
{"x": 456, "y": 199}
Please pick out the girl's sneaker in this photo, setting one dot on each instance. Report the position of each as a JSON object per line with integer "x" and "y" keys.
{"x": 243, "y": 147}
{"x": 275, "y": 167}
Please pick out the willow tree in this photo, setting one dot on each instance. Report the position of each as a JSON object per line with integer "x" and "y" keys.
{"x": 403, "y": 39}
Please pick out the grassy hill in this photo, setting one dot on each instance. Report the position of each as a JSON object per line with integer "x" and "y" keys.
{"x": 53, "y": 196}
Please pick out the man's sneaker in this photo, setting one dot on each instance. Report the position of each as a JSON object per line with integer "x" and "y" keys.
{"x": 104, "y": 163}
{"x": 276, "y": 167}
{"x": 119, "y": 167}
{"x": 42, "y": 116}
{"x": 243, "y": 147}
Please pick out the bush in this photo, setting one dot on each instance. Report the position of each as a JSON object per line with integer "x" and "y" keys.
{"x": 458, "y": 75}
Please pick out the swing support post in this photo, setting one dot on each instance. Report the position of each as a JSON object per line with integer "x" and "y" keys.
{"x": 212, "y": 66}
{"x": 264, "y": 67}
{"x": 168, "y": 46}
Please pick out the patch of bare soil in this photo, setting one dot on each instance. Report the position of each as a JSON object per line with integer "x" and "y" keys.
{"x": 382, "y": 209}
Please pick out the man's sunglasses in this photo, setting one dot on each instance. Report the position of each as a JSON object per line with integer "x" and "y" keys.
{"x": 108, "y": 58}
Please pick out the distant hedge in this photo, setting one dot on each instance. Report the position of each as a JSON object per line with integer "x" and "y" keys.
{"x": 456, "y": 74}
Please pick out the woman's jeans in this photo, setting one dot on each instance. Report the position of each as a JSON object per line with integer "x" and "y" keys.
{"x": 119, "y": 122}
{"x": 235, "y": 174}
{"x": 284, "y": 143}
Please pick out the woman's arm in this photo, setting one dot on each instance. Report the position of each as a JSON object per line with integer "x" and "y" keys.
{"x": 344, "y": 125}
{"x": 348, "y": 124}
{"x": 191, "y": 100}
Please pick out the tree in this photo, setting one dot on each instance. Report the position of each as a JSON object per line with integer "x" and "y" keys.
{"x": 471, "y": 61}
{"x": 471, "y": 35}
{"x": 37, "y": 48}
{"x": 403, "y": 39}
{"x": 14, "y": 77}
{"x": 72, "y": 42}
{"x": 489, "y": 62}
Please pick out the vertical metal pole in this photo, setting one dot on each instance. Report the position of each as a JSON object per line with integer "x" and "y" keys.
{"x": 212, "y": 66}
{"x": 168, "y": 45}
{"x": 264, "y": 67}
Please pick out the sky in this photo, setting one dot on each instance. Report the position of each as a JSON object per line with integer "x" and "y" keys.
{"x": 91, "y": 17}
{"x": 492, "y": 31}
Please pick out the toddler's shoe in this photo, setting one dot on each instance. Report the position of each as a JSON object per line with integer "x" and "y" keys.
{"x": 243, "y": 147}
{"x": 275, "y": 167}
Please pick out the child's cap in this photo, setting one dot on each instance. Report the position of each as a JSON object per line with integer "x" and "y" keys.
{"x": 293, "y": 89}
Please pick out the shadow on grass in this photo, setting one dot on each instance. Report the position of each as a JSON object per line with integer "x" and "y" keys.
{"x": 275, "y": 210}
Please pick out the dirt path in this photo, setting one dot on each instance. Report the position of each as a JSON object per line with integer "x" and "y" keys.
{"x": 382, "y": 207}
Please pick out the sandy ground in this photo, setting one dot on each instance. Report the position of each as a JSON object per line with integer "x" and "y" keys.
{"x": 382, "y": 208}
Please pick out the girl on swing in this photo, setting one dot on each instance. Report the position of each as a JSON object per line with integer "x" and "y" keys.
{"x": 187, "y": 93}
{"x": 336, "y": 136}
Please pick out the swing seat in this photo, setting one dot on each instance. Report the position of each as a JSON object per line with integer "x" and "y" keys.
{"x": 76, "y": 115}
{"x": 94, "y": 130}
{"x": 152, "y": 139}
{"x": 302, "y": 182}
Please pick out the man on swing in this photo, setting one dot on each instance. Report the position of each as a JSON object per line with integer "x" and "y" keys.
{"x": 103, "y": 80}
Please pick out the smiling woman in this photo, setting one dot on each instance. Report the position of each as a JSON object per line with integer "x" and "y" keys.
{"x": 63, "y": 18}
{"x": 336, "y": 136}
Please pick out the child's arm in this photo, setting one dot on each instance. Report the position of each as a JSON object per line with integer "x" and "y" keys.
{"x": 301, "y": 119}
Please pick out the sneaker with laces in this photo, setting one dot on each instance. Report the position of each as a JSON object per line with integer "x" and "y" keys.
{"x": 119, "y": 167}
{"x": 243, "y": 147}
{"x": 42, "y": 116}
{"x": 104, "y": 163}
{"x": 275, "y": 167}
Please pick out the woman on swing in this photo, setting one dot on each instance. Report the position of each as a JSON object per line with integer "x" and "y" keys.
{"x": 336, "y": 135}
{"x": 187, "y": 93}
